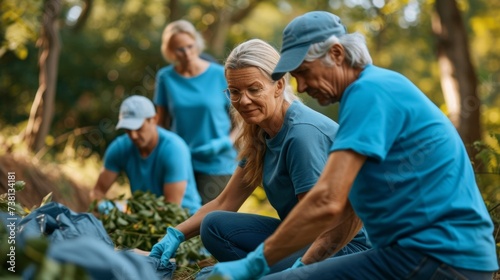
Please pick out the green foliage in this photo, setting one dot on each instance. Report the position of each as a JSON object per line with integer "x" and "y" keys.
{"x": 9, "y": 206}
{"x": 488, "y": 155}
{"x": 116, "y": 52}
{"x": 145, "y": 222}
{"x": 18, "y": 26}
{"x": 15, "y": 208}
{"x": 488, "y": 179}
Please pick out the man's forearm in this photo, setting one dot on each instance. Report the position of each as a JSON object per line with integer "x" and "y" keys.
{"x": 299, "y": 229}
{"x": 104, "y": 182}
{"x": 97, "y": 193}
{"x": 333, "y": 240}
{"x": 325, "y": 206}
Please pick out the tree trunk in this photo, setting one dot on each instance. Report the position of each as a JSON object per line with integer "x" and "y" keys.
{"x": 458, "y": 77}
{"x": 42, "y": 109}
{"x": 217, "y": 33}
{"x": 218, "y": 36}
{"x": 84, "y": 15}
{"x": 175, "y": 11}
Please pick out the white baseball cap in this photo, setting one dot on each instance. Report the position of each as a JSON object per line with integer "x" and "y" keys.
{"x": 133, "y": 111}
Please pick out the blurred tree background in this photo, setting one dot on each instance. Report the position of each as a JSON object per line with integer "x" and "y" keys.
{"x": 104, "y": 51}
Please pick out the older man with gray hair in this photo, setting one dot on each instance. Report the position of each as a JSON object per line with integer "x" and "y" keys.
{"x": 397, "y": 162}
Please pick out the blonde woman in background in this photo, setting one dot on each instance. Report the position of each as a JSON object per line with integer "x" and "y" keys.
{"x": 190, "y": 102}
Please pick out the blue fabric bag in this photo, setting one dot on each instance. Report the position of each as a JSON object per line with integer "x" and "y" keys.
{"x": 80, "y": 239}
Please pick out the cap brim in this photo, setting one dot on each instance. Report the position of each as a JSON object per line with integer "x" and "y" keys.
{"x": 128, "y": 123}
{"x": 289, "y": 61}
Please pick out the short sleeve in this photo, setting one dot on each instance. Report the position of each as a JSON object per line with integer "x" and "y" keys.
{"x": 307, "y": 152}
{"x": 113, "y": 157}
{"x": 160, "y": 95}
{"x": 177, "y": 161}
{"x": 369, "y": 121}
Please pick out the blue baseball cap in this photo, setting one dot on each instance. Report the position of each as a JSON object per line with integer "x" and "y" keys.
{"x": 300, "y": 34}
{"x": 134, "y": 111}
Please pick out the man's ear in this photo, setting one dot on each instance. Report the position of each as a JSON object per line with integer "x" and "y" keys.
{"x": 155, "y": 119}
{"x": 337, "y": 54}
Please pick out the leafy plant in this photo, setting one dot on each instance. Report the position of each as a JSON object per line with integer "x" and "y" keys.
{"x": 15, "y": 208}
{"x": 144, "y": 223}
{"x": 488, "y": 179}
{"x": 12, "y": 206}
{"x": 488, "y": 155}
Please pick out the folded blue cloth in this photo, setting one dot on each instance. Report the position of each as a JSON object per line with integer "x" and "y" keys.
{"x": 58, "y": 222}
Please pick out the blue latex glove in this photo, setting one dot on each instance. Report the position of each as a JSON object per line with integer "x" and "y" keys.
{"x": 213, "y": 148}
{"x": 297, "y": 263}
{"x": 166, "y": 248}
{"x": 105, "y": 206}
{"x": 254, "y": 266}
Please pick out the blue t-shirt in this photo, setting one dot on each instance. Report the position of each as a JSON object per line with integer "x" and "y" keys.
{"x": 169, "y": 162}
{"x": 417, "y": 187}
{"x": 200, "y": 114}
{"x": 296, "y": 156}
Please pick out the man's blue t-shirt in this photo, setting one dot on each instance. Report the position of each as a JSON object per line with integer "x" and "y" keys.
{"x": 296, "y": 156}
{"x": 417, "y": 187}
{"x": 169, "y": 162}
{"x": 200, "y": 115}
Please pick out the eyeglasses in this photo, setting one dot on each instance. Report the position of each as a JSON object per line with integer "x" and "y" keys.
{"x": 235, "y": 95}
{"x": 183, "y": 50}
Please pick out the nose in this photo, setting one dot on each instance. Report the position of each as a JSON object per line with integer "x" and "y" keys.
{"x": 133, "y": 134}
{"x": 301, "y": 85}
{"x": 244, "y": 99}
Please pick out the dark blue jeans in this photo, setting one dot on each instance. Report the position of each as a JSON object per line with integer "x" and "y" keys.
{"x": 230, "y": 236}
{"x": 385, "y": 263}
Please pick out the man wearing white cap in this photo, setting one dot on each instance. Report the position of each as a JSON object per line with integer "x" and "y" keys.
{"x": 396, "y": 161}
{"x": 154, "y": 159}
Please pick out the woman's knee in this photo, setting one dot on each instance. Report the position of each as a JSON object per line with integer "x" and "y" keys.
{"x": 212, "y": 224}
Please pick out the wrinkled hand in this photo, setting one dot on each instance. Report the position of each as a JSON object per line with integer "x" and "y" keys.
{"x": 166, "y": 248}
{"x": 254, "y": 266}
{"x": 213, "y": 148}
{"x": 105, "y": 206}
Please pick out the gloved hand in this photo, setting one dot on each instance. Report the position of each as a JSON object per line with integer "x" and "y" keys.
{"x": 213, "y": 148}
{"x": 166, "y": 248}
{"x": 254, "y": 266}
{"x": 297, "y": 263}
{"x": 105, "y": 206}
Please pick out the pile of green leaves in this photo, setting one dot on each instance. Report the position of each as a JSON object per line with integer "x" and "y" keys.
{"x": 17, "y": 208}
{"x": 144, "y": 223}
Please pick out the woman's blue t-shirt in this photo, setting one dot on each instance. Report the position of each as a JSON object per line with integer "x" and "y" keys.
{"x": 200, "y": 114}
{"x": 296, "y": 156}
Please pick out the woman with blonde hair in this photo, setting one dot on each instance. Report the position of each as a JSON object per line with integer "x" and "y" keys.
{"x": 283, "y": 146}
{"x": 189, "y": 102}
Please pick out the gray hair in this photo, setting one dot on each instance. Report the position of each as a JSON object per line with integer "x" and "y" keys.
{"x": 357, "y": 54}
{"x": 176, "y": 27}
{"x": 257, "y": 53}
